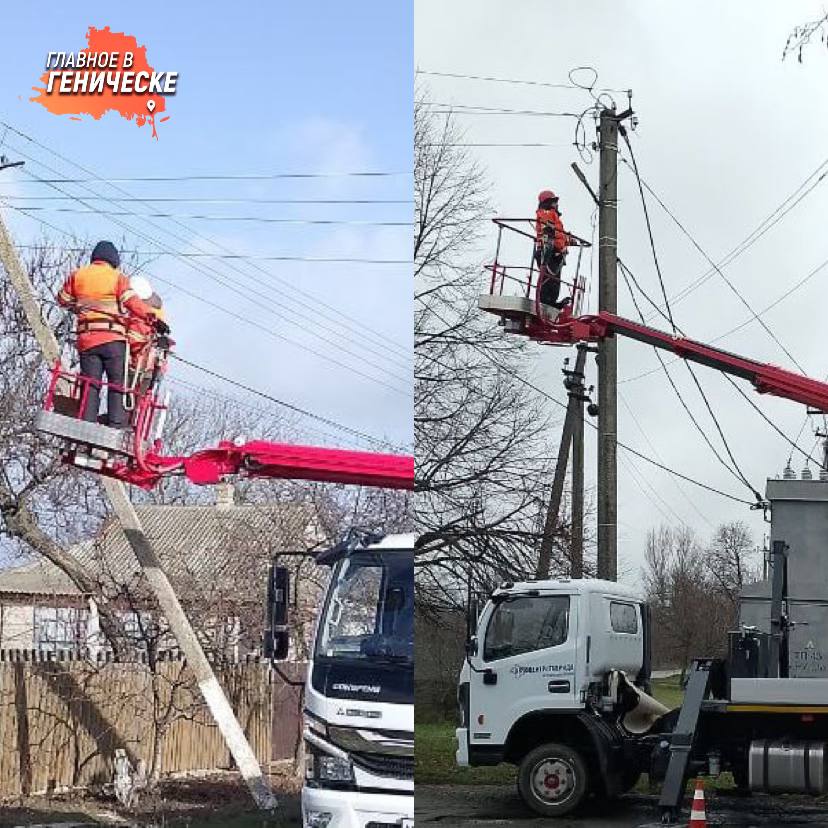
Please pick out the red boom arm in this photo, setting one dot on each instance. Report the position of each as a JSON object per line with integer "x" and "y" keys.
{"x": 766, "y": 379}
{"x": 135, "y": 456}
{"x": 263, "y": 459}
{"x": 280, "y": 460}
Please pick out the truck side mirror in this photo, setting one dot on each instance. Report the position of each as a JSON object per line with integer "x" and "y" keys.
{"x": 472, "y": 613}
{"x": 471, "y": 646}
{"x": 276, "y": 635}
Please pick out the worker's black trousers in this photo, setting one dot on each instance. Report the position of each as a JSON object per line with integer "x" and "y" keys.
{"x": 552, "y": 263}
{"x": 109, "y": 360}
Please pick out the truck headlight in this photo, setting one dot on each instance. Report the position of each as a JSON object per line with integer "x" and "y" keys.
{"x": 322, "y": 767}
{"x": 318, "y": 819}
{"x": 333, "y": 769}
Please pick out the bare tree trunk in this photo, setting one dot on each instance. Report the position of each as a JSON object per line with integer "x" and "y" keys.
{"x": 299, "y": 751}
{"x": 21, "y": 523}
{"x": 154, "y": 771}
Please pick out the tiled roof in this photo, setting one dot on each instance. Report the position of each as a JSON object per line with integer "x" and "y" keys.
{"x": 193, "y": 543}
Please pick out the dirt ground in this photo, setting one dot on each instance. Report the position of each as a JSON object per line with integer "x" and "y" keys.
{"x": 210, "y": 802}
{"x": 462, "y": 806}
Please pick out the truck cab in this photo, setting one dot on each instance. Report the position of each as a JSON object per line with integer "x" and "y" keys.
{"x": 359, "y": 694}
{"x": 554, "y": 682}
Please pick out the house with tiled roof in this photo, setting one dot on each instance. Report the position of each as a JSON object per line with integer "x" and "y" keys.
{"x": 216, "y": 557}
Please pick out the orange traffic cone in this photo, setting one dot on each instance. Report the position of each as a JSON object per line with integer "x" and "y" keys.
{"x": 698, "y": 818}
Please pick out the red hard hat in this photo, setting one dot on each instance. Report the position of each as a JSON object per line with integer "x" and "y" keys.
{"x": 545, "y": 194}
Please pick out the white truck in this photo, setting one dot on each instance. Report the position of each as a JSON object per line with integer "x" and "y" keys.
{"x": 556, "y": 680}
{"x": 359, "y": 693}
{"x": 541, "y": 684}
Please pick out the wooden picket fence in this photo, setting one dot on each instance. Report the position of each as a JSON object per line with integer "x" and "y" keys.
{"x": 62, "y": 716}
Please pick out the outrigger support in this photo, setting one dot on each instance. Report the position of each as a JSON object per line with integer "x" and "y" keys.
{"x": 682, "y": 741}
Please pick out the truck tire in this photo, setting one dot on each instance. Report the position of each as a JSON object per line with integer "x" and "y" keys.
{"x": 552, "y": 780}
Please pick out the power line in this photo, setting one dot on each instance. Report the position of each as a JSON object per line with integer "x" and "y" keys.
{"x": 495, "y": 144}
{"x": 180, "y": 254}
{"x": 628, "y": 274}
{"x": 755, "y": 315}
{"x": 739, "y": 473}
{"x": 321, "y": 308}
{"x": 217, "y": 200}
{"x": 517, "y": 81}
{"x": 258, "y": 297}
{"x": 282, "y": 403}
{"x": 721, "y": 433}
{"x": 801, "y": 283}
{"x": 241, "y": 177}
{"x": 794, "y": 443}
{"x": 644, "y": 457}
{"x": 261, "y": 410}
{"x": 760, "y": 230}
{"x": 497, "y": 80}
{"x": 646, "y": 437}
{"x": 771, "y": 423}
{"x": 649, "y": 230}
{"x": 652, "y": 495}
{"x": 763, "y": 227}
{"x": 201, "y": 217}
{"x": 467, "y": 109}
{"x": 239, "y": 317}
{"x": 592, "y": 425}
{"x": 736, "y": 472}
{"x": 718, "y": 270}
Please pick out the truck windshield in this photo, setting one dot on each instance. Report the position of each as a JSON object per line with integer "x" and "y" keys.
{"x": 369, "y": 613}
{"x": 523, "y": 624}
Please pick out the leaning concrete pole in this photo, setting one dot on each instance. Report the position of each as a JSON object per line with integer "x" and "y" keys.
{"x": 573, "y": 408}
{"x": 211, "y": 690}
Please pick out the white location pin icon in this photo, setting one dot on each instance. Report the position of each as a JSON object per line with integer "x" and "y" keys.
{"x": 150, "y": 104}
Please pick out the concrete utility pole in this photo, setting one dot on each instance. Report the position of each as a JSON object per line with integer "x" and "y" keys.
{"x": 607, "y": 349}
{"x": 576, "y": 542}
{"x": 211, "y": 690}
{"x": 574, "y": 384}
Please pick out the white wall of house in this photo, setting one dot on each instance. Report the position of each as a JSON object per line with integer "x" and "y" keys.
{"x": 16, "y": 626}
{"x": 42, "y": 626}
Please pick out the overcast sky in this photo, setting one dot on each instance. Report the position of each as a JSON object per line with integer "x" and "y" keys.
{"x": 262, "y": 89}
{"x": 727, "y": 131}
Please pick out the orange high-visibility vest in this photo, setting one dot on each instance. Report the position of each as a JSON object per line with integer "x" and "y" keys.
{"x": 553, "y": 217}
{"x": 102, "y": 297}
{"x": 139, "y": 331}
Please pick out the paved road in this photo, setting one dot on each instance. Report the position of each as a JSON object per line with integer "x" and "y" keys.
{"x": 462, "y": 806}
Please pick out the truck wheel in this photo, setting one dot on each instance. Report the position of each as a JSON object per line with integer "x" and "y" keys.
{"x": 552, "y": 780}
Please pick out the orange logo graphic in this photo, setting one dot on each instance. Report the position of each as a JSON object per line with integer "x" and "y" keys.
{"x": 110, "y": 74}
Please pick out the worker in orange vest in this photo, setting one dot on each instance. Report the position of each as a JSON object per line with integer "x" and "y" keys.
{"x": 142, "y": 334}
{"x": 101, "y": 297}
{"x": 551, "y": 243}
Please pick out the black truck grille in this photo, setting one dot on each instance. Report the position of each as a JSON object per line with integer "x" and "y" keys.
{"x": 401, "y": 767}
